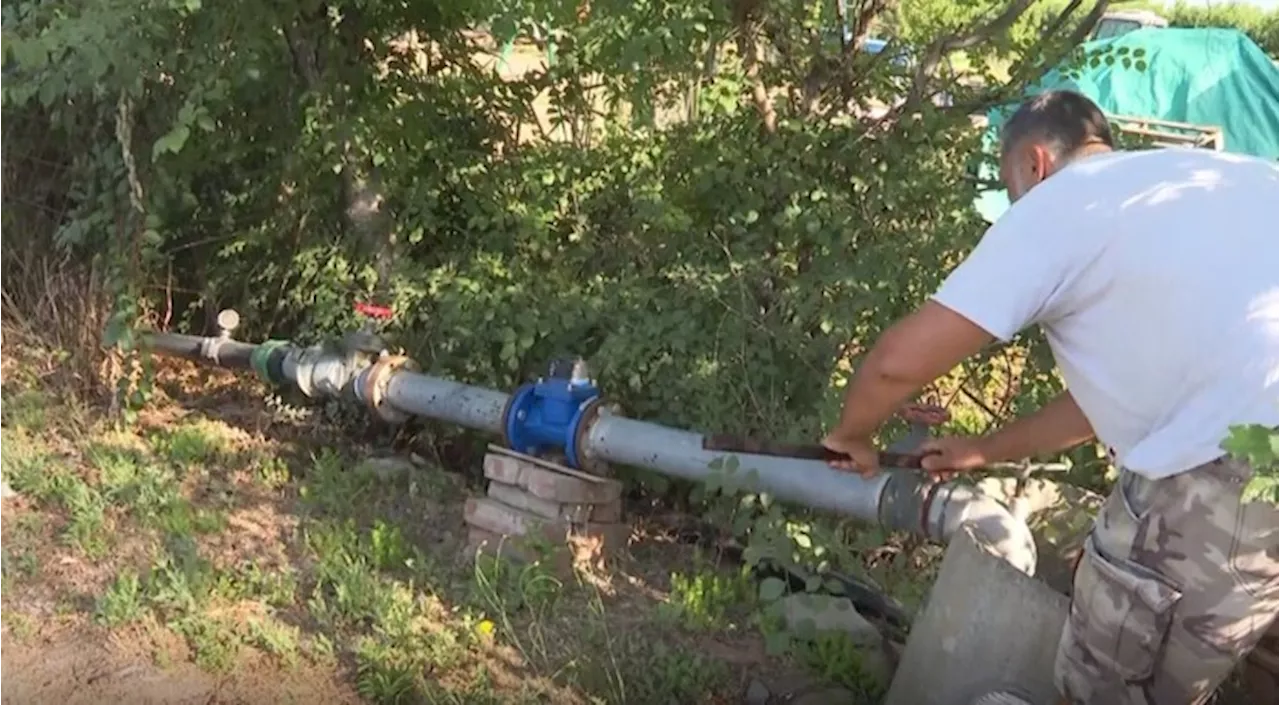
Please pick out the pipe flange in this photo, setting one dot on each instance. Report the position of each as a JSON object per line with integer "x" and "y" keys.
{"x": 506, "y": 417}
{"x": 374, "y": 389}
{"x": 514, "y": 415}
{"x": 586, "y": 418}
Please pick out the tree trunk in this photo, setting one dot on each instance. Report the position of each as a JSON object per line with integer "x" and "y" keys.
{"x": 362, "y": 185}
{"x": 747, "y": 18}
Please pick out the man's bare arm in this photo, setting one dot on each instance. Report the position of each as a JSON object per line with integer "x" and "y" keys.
{"x": 912, "y": 353}
{"x": 1055, "y": 427}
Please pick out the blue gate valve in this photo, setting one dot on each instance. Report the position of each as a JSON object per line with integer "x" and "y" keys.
{"x": 547, "y": 415}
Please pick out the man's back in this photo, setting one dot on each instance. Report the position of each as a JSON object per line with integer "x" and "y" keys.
{"x": 1155, "y": 276}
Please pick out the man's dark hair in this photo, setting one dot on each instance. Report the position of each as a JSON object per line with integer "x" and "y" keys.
{"x": 1063, "y": 121}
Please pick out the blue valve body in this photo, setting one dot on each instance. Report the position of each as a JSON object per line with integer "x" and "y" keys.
{"x": 545, "y": 416}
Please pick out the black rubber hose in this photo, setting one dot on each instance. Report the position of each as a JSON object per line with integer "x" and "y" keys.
{"x": 230, "y": 353}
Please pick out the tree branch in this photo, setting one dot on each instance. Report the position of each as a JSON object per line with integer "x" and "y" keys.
{"x": 868, "y": 10}
{"x": 1049, "y": 52}
{"x": 974, "y": 36}
{"x": 842, "y": 21}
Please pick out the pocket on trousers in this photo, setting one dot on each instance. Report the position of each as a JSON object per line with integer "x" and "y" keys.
{"x": 1120, "y": 614}
{"x": 1255, "y": 545}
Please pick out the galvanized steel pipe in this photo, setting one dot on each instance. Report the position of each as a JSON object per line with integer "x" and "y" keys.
{"x": 445, "y": 400}
{"x": 895, "y": 499}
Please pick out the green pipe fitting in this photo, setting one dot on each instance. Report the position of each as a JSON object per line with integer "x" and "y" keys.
{"x": 258, "y": 359}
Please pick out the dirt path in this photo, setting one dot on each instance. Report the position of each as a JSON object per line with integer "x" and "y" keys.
{"x": 84, "y": 666}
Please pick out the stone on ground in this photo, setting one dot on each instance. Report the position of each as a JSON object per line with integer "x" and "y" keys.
{"x": 805, "y": 612}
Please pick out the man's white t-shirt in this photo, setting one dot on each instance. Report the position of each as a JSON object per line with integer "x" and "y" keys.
{"x": 1156, "y": 278}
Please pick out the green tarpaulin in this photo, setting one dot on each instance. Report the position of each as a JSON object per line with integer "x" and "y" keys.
{"x": 1199, "y": 76}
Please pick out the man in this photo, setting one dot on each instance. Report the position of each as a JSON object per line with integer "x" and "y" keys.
{"x": 1154, "y": 276}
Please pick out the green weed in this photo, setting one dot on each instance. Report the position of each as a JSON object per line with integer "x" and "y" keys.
{"x": 216, "y": 645}
{"x": 272, "y": 472}
{"x": 348, "y": 587}
{"x": 49, "y": 480}
{"x": 835, "y": 657}
{"x": 152, "y": 492}
{"x": 385, "y": 674}
{"x": 187, "y": 445}
{"x": 181, "y": 582}
{"x": 504, "y": 586}
{"x": 275, "y": 588}
{"x": 705, "y": 600}
{"x": 27, "y": 409}
{"x": 276, "y": 638}
{"x": 123, "y": 602}
{"x": 652, "y": 671}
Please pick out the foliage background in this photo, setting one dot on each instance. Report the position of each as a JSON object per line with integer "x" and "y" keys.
{"x": 682, "y": 196}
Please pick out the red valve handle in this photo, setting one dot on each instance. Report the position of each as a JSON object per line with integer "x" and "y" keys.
{"x": 373, "y": 310}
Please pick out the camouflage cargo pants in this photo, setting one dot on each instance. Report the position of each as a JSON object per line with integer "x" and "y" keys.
{"x": 1176, "y": 583}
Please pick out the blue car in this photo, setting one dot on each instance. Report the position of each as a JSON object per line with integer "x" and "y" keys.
{"x": 903, "y": 60}
{"x": 874, "y": 46}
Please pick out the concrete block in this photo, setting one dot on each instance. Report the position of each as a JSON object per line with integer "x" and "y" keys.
{"x": 551, "y": 482}
{"x": 986, "y": 627}
{"x": 504, "y": 520}
{"x": 1059, "y": 516}
{"x": 514, "y": 496}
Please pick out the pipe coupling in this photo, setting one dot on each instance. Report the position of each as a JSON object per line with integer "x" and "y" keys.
{"x": 210, "y": 346}
{"x": 914, "y": 502}
{"x": 549, "y": 415}
{"x": 266, "y": 358}
{"x": 323, "y": 370}
{"x": 953, "y": 505}
{"x": 370, "y": 386}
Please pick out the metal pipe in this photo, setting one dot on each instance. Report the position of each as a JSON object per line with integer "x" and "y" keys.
{"x": 896, "y": 499}
{"x": 617, "y": 439}
{"x": 221, "y": 351}
{"x": 956, "y": 505}
{"x": 462, "y": 404}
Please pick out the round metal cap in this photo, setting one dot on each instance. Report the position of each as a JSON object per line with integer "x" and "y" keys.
{"x": 228, "y": 319}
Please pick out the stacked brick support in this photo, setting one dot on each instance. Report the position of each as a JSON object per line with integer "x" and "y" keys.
{"x": 538, "y": 509}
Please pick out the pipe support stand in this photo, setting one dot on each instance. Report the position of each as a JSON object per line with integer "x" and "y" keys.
{"x": 209, "y": 347}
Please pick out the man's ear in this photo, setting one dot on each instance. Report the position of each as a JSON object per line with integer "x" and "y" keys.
{"x": 1042, "y": 162}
